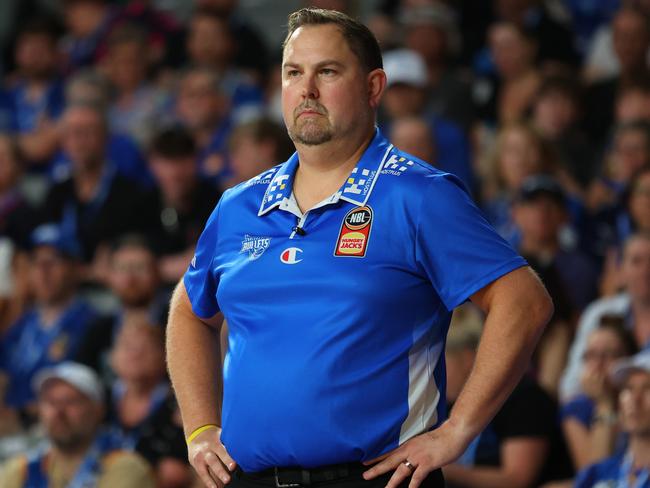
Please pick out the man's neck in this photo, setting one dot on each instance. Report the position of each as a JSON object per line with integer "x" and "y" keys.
{"x": 639, "y": 449}
{"x": 140, "y": 388}
{"x": 50, "y": 312}
{"x": 87, "y": 181}
{"x": 324, "y": 168}
{"x": 538, "y": 248}
{"x": 69, "y": 459}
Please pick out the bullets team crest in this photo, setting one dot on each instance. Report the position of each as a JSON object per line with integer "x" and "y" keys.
{"x": 355, "y": 233}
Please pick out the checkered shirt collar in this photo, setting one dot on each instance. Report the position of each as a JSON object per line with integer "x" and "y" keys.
{"x": 357, "y": 186}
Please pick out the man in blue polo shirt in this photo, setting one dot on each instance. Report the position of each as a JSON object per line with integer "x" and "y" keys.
{"x": 337, "y": 272}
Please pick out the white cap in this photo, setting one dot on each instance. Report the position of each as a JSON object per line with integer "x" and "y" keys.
{"x": 405, "y": 66}
{"x": 624, "y": 367}
{"x": 76, "y": 375}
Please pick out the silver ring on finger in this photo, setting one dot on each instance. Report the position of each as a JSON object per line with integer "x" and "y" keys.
{"x": 409, "y": 465}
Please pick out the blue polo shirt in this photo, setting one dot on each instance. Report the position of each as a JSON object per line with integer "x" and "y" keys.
{"x": 337, "y": 318}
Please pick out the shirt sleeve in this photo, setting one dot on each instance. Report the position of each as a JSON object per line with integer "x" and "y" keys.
{"x": 456, "y": 247}
{"x": 201, "y": 279}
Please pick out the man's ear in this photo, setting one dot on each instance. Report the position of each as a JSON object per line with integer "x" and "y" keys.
{"x": 376, "y": 87}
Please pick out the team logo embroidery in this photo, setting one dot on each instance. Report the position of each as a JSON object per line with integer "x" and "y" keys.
{"x": 254, "y": 246}
{"x": 355, "y": 233}
{"x": 290, "y": 255}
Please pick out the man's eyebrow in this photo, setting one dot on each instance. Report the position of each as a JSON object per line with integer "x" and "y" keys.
{"x": 326, "y": 62}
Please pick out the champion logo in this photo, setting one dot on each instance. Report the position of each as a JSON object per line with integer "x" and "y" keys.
{"x": 291, "y": 255}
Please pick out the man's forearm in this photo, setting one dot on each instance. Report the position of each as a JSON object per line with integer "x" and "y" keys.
{"x": 518, "y": 308}
{"x": 194, "y": 362}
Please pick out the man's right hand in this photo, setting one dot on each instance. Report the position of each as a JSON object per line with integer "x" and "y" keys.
{"x": 209, "y": 458}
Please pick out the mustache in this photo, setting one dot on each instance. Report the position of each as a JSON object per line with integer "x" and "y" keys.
{"x": 311, "y": 106}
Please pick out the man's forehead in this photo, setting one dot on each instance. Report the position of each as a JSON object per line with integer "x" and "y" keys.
{"x": 313, "y": 43}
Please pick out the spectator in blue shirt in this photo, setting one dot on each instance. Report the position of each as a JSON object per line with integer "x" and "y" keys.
{"x": 50, "y": 330}
{"x": 632, "y": 466}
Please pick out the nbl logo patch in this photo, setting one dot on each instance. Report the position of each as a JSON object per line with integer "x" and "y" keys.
{"x": 355, "y": 233}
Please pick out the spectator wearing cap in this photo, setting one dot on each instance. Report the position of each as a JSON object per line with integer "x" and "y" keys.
{"x": 405, "y": 96}
{"x": 633, "y": 304}
{"x": 49, "y": 331}
{"x": 540, "y": 213}
{"x": 70, "y": 408}
{"x": 522, "y": 446}
{"x": 431, "y": 30}
{"x": 630, "y": 467}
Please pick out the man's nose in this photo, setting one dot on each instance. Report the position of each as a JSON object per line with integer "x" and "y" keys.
{"x": 309, "y": 86}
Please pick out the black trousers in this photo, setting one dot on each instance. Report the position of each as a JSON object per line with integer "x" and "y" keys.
{"x": 242, "y": 480}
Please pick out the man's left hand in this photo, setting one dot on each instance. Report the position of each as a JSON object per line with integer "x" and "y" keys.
{"x": 419, "y": 456}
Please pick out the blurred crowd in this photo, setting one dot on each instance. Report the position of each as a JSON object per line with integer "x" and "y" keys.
{"x": 122, "y": 122}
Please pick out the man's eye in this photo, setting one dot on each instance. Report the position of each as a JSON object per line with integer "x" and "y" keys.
{"x": 327, "y": 71}
{"x": 293, "y": 73}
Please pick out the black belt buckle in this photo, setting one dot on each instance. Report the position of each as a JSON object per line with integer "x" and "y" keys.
{"x": 278, "y": 484}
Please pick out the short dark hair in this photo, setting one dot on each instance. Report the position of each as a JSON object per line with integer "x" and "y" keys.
{"x": 362, "y": 42}
{"x": 173, "y": 143}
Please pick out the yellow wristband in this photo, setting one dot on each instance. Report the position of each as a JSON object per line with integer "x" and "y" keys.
{"x": 195, "y": 433}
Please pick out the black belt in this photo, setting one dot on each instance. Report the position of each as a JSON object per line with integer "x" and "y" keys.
{"x": 296, "y": 476}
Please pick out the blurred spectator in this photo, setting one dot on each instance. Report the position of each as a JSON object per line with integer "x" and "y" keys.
{"x": 88, "y": 87}
{"x": 256, "y": 146}
{"x": 633, "y": 103}
{"x": 184, "y": 201}
{"x": 540, "y": 213}
{"x": 205, "y": 110}
{"x": 405, "y": 95}
{"x": 70, "y": 407}
{"x": 633, "y": 304}
{"x": 51, "y": 329}
{"x": 36, "y": 92}
{"x": 431, "y": 31}
{"x": 211, "y": 45}
{"x": 137, "y": 106}
{"x": 600, "y": 61}
{"x": 631, "y": 34}
{"x": 556, "y": 112}
{"x": 547, "y": 22}
{"x": 163, "y": 33}
{"x": 142, "y": 407}
{"x": 518, "y": 152}
{"x": 14, "y": 212}
{"x": 134, "y": 280}
{"x": 89, "y": 24}
{"x": 413, "y": 135}
{"x": 522, "y": 446}
{"x": 95, "y": 204}
{"x": 589, "y": 419}
{"x": 251, "y": 52}
{"x": 507, "y": 95}
{"x": 630, "y": 467}
{"x": 606, "y": 198}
